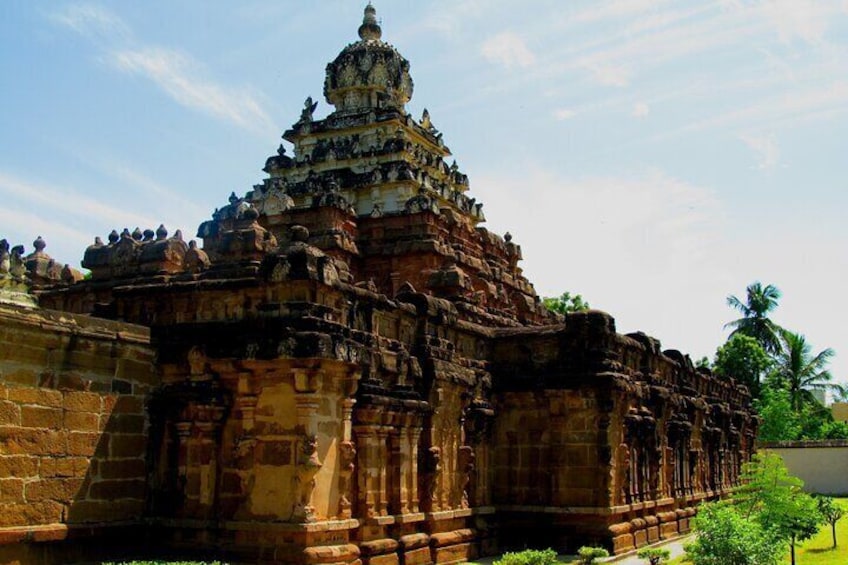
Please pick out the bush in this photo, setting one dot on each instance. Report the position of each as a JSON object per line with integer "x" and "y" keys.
{"x": 726, "y": 537}
{"x": 529, "y": 557}
{"x": 654, "y": 555}
{"x": 588, "y": 554}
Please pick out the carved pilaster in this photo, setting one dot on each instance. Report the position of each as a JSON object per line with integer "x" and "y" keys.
{"x": 382, "y": 498}
{"x": 306, "y": 384}
{"x": 413, "y": 498}
{"x": 366, "y": 475}
{"x": 347, "y": 460}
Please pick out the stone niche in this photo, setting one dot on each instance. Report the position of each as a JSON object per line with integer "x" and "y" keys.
{"x": 351, "y": 369}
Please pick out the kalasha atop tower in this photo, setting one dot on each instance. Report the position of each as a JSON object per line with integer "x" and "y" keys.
{"x": 351, "y": 369}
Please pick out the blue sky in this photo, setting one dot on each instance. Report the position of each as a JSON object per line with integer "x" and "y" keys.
{"x": 654, "y": 156}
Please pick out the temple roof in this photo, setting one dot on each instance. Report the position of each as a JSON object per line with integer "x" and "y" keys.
{"x": 369, "y": 73}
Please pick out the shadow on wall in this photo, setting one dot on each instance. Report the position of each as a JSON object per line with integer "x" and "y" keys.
{"x": 73, "y": 435}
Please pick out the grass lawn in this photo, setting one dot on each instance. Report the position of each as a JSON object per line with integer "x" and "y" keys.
{"x": 817, "y": 550}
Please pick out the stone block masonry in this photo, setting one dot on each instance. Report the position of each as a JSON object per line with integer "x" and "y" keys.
{"x": 73, "y": 426}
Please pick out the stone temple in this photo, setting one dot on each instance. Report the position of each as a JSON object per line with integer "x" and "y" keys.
{"x": 348, "y": 369}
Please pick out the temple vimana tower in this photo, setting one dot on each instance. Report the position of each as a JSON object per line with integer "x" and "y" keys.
{"x": 345, "y": 367}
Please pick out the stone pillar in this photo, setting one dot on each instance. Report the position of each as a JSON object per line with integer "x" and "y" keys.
{"x": 413, "y": 435}
{"x": 396, "y": 490}
{"x": 306, "y": 384}
{"x": 183, "y": 438}
{"x": 347, "y": 460}
{"x": 366, "y": 439}
{"x": 382, "y": 461}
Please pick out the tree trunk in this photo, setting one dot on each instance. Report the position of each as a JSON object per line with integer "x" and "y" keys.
{"x": 833, "y": 529}
{"x": 792, "y": 549}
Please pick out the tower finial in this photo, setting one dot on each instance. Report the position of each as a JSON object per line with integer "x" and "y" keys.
{"x": 370, "y": 29}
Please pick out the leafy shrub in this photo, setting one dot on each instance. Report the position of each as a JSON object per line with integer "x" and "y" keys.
{"x": 588, "y": 554}
{"x": 654, "y": 555}
{"x": 726, "y": 537}
{"x": 529, "y": 557}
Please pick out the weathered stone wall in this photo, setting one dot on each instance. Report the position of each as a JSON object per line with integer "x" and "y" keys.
{"x": 73, "y": 426}
{"x": 630, "y": 438}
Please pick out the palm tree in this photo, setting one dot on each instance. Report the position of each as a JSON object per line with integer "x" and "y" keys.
{"x": 755, "y": 323}
{"x": 801, "y": 372}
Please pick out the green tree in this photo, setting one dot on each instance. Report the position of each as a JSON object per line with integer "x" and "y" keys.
{"x": 831, "y": 512}
{"x": 815, "y": 421}
{"x": 833, "y": 430}
{"x": 755, "y": 322}
{"x": 779, "y": 420}
{"x": 726, "y": 537}
{"x": 800, "y": 371}
{"x": 566, "y": 303}
{"x": 773, "y": 497}
{"x": 743, "y": 358}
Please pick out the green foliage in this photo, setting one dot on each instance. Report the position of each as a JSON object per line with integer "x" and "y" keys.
{"x": 779, "y": 421}
{"x": 759, "y": 302}
{"x": 743, "y": 358}
{"x": 801, "y": 372}
{"x": 703, "y": 363}
{"x": 726, "y": 537}
{"x": 566, "y": 303}
{"x": 654, "y": 555}
{"x": 833, "y": 430}
{"x": 773, "y": 498}
{"x": 529, "y": 557}
{"x": 831, "y": 512}
{"x": 588, "y": 554}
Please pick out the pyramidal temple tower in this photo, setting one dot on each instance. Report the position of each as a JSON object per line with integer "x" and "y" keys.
{"x": 344, "y": 368}
{"x": 378, "y": 192}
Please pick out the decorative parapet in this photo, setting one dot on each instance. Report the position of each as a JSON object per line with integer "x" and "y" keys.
{"x": 21, "y": 273}
{"x": 137, "y": 253}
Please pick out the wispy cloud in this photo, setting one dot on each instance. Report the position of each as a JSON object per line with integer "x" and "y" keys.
{"x": 667, "y": 229}
{"x": 564, "y": 114}
{"x": 56, "y": 198}
{"x": 607, "y": 72}
{"x": 615, "y": 9}
{"x": 765, "y": 149}
{"x": 813, "y": 102}
{"x": 83, "y": 216}
{"x": 640, "y": 110}
{"x": 798, "y": 19}
{"x": 94, "y": 22}
{"x": 449, "y": 18}
{"x": 178, "y": 75}
{"x": 172, "y": 201}
{"x": 64, "y": 243}
{"x": 648, "y": 215}
{"x": 508, "y": 49}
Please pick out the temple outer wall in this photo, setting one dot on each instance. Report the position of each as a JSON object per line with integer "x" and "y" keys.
{"x": 820, "y": 464}
{"x": 73, "y": 430}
